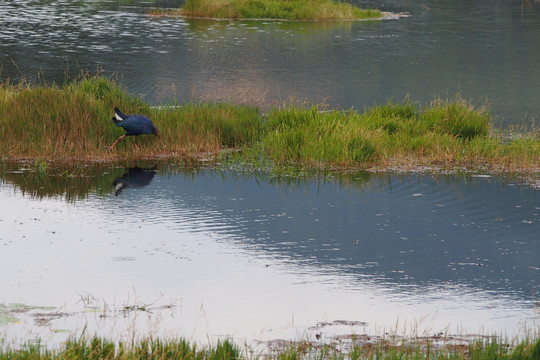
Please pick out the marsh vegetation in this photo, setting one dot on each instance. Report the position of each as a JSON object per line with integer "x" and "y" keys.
{"x": 272, "y": 9}
{"x": 73, "y": 122}
{"x": 99, "y": 348}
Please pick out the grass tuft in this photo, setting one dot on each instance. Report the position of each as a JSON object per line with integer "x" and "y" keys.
{"x": 458, "y": 118}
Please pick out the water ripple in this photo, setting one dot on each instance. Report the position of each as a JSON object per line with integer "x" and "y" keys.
{"x": 343, "y": 64}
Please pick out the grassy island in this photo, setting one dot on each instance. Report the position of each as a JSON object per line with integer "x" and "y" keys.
{"x": 73, "y": 122}
{"x": 272, "y": 9}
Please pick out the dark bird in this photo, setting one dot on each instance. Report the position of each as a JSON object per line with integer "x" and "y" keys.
{"x": 134, "y": 125}
{"x": 135, "y": 178}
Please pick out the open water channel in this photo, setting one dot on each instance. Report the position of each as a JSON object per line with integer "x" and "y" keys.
{"x": 205, "y": 253}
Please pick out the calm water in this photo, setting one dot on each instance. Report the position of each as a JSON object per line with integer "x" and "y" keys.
{"x": 214, "y": 254}
{"x": 482, "y": 49}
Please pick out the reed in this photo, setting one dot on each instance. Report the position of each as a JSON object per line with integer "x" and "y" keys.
{"x": 60, "y": 121}
{"x": 272, "y": 9}
{"x": 204, "y": 127}
{"x": 447, "y": 133}
{"x": 73, "y": 122}
{"x": 104, "y": 349}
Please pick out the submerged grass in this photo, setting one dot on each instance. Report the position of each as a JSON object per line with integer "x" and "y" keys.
{"x": 73, "y": 122}
{"x": 99, "y": 348}
{"x": 272, "y": 9}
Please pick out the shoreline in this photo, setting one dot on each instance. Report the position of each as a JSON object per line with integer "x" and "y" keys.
{"x": 527, "y": 177}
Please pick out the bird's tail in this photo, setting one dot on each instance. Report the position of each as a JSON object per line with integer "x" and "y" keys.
{"x": 118, "y": 116}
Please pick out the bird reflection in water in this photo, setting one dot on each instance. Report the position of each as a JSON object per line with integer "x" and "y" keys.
{"x": 135, "y": 178}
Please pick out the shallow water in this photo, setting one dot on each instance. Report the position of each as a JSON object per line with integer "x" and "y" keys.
{"x": 204, "y": 254}
{"x": 484, "y": 50}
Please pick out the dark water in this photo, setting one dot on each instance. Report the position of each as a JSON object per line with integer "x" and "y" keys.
{"x": 484, "y": 50}
{"x": 243, "y": 253}
{"x": 410, "y": 231}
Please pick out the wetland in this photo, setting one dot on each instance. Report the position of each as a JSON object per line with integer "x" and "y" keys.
{"x": 312, "y": 182}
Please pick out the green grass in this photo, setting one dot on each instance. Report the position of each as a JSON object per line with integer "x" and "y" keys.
{"x": 446, "y": 133}
{"x": 103, "y": 349}
{"x": 72, "y": 122}
{"x": 273, "y": 9}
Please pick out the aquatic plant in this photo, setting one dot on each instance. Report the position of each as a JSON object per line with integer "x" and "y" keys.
{"x": 446, "y": 133}
{"x": 73, "y": 122}
{"x": 102, "y": 348}
{"x": 272, "y": 9}
{"x": 60, "y": 121}
{"x": 40, "y": 166}
{"x": 309, "y": 135}
{"x": 203, "y": 127}
{"x": 155, "y": 348}
{"x": 459, "y": 118}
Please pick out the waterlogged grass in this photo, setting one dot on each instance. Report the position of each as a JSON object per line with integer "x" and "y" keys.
{"x": 73, "y": 122}
{"x": 272, "y": 9}
{"x": 199, "y": 127}
{"x": 445, "y": 134}
{"x": 60, "y": 121}
{"x": 103, "y": 349}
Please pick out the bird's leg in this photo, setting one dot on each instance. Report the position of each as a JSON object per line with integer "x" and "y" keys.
{"x": 134, "y": 138}
{"x": 121, "y": 137}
